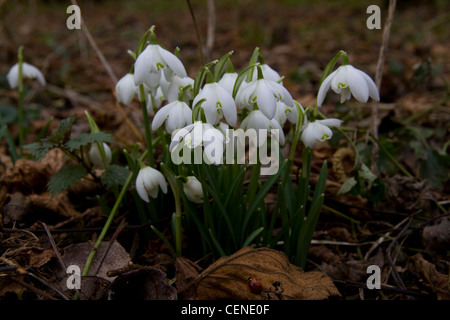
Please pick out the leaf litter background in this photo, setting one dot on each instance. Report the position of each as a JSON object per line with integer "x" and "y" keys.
{"x": 407, "y": 232}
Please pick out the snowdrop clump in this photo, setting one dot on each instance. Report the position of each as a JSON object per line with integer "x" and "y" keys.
{"x": 213, "y": 110}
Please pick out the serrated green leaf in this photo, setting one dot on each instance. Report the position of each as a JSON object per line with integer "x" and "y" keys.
{"x": 58, "y": 137}
{"x": 62, "y": 131}
{"x": 65, "y": 177}
{"x": 39, "y": 149}
{"x": 85, "y": 139}
{"x": 114, "y": 176}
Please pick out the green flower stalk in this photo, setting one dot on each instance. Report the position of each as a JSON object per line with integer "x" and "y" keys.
{"x": 15, "y": 77}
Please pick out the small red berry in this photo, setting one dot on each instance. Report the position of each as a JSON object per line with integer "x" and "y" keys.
{"x": 254, "y": 284}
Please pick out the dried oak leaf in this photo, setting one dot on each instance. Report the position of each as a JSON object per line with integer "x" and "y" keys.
{"x": 227, "y": 278}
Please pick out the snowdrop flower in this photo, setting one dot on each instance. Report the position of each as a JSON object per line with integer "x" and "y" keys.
{"x": 228, "y": 80}
{"x": 126, "y": 89}
{"x": 257, "y": 120}
{"x": 176, "y": 115}
{"x": 148, "y": 181}
{"x": 268, "y": 73}
{"x": 318, "y": 131}
{"x": 217, "y": 103}
{"x": 265, "y": 94}
{"x": 285, "y": 112}
{"x": 154, "y": 60}
{"x": 347, "y": 81}
{"x": 173, "y": 90}
{"x": 154, "y": 101}
{"x": 28, "y": 71}
{"x": 202, "y": 135}
{"x": 193, "y": 189}
{"x": 96, "y": 157}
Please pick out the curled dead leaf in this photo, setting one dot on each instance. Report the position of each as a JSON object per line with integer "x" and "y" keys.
{"x": 227, "y": 278}
{"x": 439, "y": 282}
{"x": 28, "y": 176}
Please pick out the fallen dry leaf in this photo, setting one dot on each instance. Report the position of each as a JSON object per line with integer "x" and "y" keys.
{"x": 186, "y": 273}
{"x": 439, "y": 282}
{"x": 108, "y": 257}
{"x": 437, "y": 239}
{"x": 38, "y": 258}
{"x": 227, "y": 278}
{"x": 28, "y": 176}
{"x": 142, "y": 284}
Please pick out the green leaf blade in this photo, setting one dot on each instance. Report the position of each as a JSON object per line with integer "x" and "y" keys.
{"x": 66, "y": 177}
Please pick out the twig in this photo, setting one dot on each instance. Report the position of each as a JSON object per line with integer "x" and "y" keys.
{"x": 32, "y": 288}
{"x": 197, "y": 32}
{"x": 211, "y": 28}
{"x": 111, "y": 241}
{"x": 395, "y": 273}
{"x": 379, "y": 75}
{"x": 96, "y": 49}
{"x": 55, "y": 248}
{"x": 383, "y": 288}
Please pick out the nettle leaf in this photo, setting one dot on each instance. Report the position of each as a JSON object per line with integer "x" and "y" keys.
{"x": 66, "y": 177}
{"x": 114, "y": 176}
{"x": 58, "y": 137}
{"x": 62, "y": 132}
{"x": 39, "y": 149}
{"x": 88, "y": 138}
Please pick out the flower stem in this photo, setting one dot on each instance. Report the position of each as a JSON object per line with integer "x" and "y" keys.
{"x": 148, "y": 135}
{"x": 93, "y": 252}
{"x": 176, "y": 194}
{"x": 20, "y": 103}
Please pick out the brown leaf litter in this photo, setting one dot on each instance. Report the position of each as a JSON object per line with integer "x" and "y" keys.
{"x": 227, "y": 278}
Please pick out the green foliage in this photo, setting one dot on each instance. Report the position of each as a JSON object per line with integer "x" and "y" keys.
{"x": 114, "y": 176}
{"x": 56, "y": 139}
{"x": 364, "y": 183}
{"x": 85, "y": 139}
{"x": 66, "y": 177}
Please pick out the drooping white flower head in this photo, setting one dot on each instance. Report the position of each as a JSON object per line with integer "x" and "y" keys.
{"x": 202, "y": 135}
{"x": 268, "y": 73}
{"x": 176, "y": 85}
{"x": 285, "y": 112}
{"x": 28, "y": 71}
{"x": 347, "y": 81}
{"x": 257, "y": 120}
{"x": 154, "y": 101}
{"x": 96, "y": 157}
{"x": 318, "y": 131}
{"x": 154, "y": 60}
{"x": 148, "y": 181}
{"x": 193, "y": 189}
{"x": 217, "y": 103}
{"x": 176, "y": 115}
{"x": 126, "y": 89}
{"x": 265, "y": 94}
{"x": 228, "y": 80}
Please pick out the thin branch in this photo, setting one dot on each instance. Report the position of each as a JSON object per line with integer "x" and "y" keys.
{"x": 96, "y": 49}
{"x": 197, "y": 32}
{"x": 211, "y": 28}
{"x": 379, "y": 75}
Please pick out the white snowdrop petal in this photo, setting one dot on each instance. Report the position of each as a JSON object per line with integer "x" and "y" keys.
{"x": 358, "y": 85}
